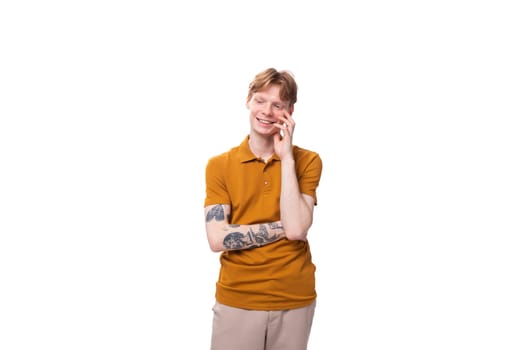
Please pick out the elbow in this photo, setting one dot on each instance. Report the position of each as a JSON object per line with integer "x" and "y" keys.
{"x": 216, "y": 247}
{"x": 296, "y": 235}
{"x": 297, "y": 232}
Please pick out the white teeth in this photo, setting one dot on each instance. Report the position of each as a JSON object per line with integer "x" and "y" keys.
{"x": 264, "y": 121}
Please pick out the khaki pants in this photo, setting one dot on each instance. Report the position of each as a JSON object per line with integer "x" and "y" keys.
{"x": 239, "y": 329}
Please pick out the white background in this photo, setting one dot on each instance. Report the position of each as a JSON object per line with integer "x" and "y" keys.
{"x": 110, "y": 110}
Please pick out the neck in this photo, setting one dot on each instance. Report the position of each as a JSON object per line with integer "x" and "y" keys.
{"x": 261, "y": 147}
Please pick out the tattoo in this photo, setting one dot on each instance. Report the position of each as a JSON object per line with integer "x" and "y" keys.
{"x": 275, "y": 225}
{"x": 261, "y": 236}
{"x": 217, "y": 213}
{"x": 238, "y": 240}
{"x": 234, "y": 240}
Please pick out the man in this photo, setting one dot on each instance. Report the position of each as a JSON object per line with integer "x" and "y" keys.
{"x": 259, "y": 204}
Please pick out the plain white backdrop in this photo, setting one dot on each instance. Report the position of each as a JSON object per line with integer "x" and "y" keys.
{"x": 110, "y": 110}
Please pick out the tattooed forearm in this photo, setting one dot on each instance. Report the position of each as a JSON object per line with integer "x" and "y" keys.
{"x": 224, "y": 235}
{"x": 238, "y": 240}
{"x": 262, "y": 235}
{"x": 234, "y": 240}
{"x": 275, "y": 225}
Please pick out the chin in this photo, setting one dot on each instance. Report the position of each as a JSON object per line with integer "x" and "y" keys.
{"x": 265, "y": 132}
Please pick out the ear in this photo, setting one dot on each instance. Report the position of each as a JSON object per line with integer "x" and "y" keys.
{"x": 247, "y": 103}
{"x": 290, "y": 110}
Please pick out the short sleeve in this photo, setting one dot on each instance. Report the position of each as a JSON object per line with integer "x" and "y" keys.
{"x": 216, "y": 191}
{"x": 310, "y": 167}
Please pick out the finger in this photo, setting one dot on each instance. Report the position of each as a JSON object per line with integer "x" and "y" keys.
{"x": 286, "y": 121}
{"x": 284, "y": 129}
{"x": 290, "y": 120}
{"x": 287, "y": 118}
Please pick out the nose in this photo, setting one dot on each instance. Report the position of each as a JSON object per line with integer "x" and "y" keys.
{"x": 268, "y": 109}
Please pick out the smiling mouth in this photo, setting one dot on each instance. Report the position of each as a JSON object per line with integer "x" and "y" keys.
{"x": 264, "y": 121}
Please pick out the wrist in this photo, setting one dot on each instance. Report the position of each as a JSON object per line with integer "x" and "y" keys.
{"x": 288, "y": 158}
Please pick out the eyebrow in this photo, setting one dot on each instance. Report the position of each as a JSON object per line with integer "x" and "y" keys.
{"x": 258, "y": 96}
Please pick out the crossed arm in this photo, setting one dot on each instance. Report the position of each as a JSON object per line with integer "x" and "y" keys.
{"x": 296, "y": 218}
{"x": 225, "y": 236}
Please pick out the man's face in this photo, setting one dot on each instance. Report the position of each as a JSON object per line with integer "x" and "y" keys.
{"x": 265, "y": 109}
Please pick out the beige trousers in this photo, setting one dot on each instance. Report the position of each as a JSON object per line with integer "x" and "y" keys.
{"x": 239, "y": 329}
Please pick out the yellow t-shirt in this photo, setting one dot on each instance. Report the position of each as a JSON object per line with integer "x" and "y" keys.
{"x": 277, "y": 276}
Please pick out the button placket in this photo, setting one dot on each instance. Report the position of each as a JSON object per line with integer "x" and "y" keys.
{"x": 266, "y": 179}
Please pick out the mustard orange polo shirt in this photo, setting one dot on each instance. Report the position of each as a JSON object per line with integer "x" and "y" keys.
{"x": 277, "y": 276}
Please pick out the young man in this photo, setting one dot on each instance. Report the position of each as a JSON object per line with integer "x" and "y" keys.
{"x": 259, "y": 204}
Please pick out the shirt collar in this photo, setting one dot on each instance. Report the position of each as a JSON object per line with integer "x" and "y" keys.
{"x": 246, "y": 154}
